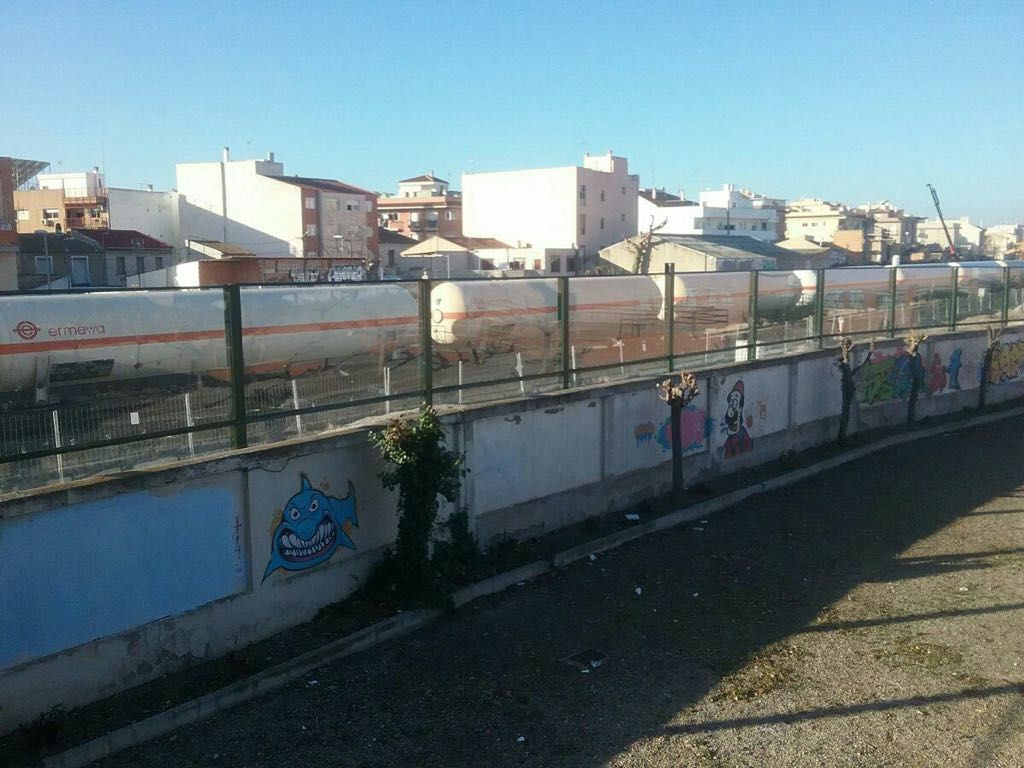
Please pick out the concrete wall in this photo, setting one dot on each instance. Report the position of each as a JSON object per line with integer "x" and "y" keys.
{"x": 110, "y": 583}
{"x": 156, "y": 214}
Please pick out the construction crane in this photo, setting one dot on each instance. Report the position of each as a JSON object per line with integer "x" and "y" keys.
{"x": 935, "y": 197}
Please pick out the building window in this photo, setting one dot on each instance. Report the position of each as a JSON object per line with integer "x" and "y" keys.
{"x": 583, "y": 223}
{"x": 602, "y": 222}
{"x": 764, "y": 226}
{"x": 140, "y": 264}
{"x": 391, "y": 257}
{"x": 80, "y": 270}
{"x": 311, "y": 203}
{"x": 122, "y": 270}
{"x": 44, "y": 265}
{"x": 352, "y": 205}
{"x": 623, "y": 190}
{"x": 602, "y": 195}
{"x": 22, "y": 214}
{"x": 51, "y": 214}
{"x": 622, "y": 217}
{"x": 159, "y": 262}
{"x": 536, "y": 264}
{"x": 449, "y": 215}
{"x": 583, "y": 192}
{"x": 311, "y": 230}
{"x": 392, "y": 217}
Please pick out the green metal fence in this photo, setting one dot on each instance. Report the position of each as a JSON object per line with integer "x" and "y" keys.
{"x": 684, "y": 320}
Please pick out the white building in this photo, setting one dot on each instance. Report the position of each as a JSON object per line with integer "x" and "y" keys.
{"x": 252, "y": 203}
{"x": 1002, "y": 239}
{"x": 80, "y": 184}
{"x": 157, "y": 214}
{"x": 820, "y": 220}
{"x": 722, "y": 211}
{"x": 577, "y": 209}
{"x": 967, "y": 237}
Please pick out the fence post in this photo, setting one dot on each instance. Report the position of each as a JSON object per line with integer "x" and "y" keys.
{"x": 752, "y": 332}
{"x": 819, "y": 307}
{"x": 954, "y": 295}
{"x": 426, "y": 345}
{"x": 563, "y": 324}
{"x": 236, "y": 363}
{"x": 58, "y": 444}
{"x": 891, "y": 320}
{"x": 190, "y": 422}
{"x": 1006, "y": 295}
{"x": 670, "y": 313}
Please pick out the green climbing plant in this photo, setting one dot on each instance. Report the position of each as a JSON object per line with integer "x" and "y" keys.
{"x": 423, "y": 470}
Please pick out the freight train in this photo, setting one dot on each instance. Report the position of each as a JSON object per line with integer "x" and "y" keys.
{"x": 54, "y": 340}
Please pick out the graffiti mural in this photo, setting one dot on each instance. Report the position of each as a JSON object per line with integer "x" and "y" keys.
{"x": 313, "y": 525}
{"x": 738, "y": 440}
{"x": 1007, "y": 362}
{"x": 692, "y": 429}
{"x": 644, "y": 433}
{"x": 889, "y": 377}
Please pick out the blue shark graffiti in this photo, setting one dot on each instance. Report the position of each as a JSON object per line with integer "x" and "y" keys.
{"x": 313, "y": 525}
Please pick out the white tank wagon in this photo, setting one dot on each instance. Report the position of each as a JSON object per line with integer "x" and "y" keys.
{"x": 723, "y": 298}
{"x": 110, "y": 336}
{"x": 479, "y": 314}
{"x": 868, "y": 286}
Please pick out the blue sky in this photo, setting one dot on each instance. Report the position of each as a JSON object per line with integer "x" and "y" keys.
{"x": 846, "y": 101}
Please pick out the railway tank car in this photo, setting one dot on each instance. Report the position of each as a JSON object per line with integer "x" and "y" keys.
{"x": 88, "y": 337}
{"x": 723, "y": 298}
{"x": 481, "y": 313}
{"x": 864, "y": 286}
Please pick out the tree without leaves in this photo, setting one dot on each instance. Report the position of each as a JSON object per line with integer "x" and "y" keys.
{"x": 642, "y": 246}
{"x": 678, "y": 396}
{"x": 914, "y": 341}
{"x": 994, "y": 336}
{"x": 849, "y": 384}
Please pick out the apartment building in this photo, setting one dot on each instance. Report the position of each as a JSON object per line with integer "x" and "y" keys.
{"x": 890, "y": 230}
{"x": 1003, "y": 240}
{"x": 820, "y": 221}
{"x": 63, "y": 201}
{"x": 424, "y": 207}
{"x": 725, "y": 211}
{"x": 253, "y": 204}
{"x": 555, "y": 212}
{"x": 967, "y": 238}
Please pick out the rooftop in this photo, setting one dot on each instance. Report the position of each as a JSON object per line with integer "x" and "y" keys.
{"x": 123, "y": 238}
{"x": 327, "y": 185}
{"x": 726, "y": 246}
{"x": 425, "y": 178}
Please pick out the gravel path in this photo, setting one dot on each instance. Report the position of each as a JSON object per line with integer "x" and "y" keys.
{"x": 871, "y": 616}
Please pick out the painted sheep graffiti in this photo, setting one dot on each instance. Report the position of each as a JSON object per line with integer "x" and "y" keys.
{"x": 313, "y": 525}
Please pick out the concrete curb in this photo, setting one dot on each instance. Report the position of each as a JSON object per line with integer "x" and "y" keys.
{"x": 405, "y": 623}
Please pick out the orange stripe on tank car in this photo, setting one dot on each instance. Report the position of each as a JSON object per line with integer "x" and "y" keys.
{"x": 333, "y": 325}
{"x": 100, "y": 342}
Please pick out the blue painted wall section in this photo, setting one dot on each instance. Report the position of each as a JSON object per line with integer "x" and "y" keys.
{"x": 75, "y": 574}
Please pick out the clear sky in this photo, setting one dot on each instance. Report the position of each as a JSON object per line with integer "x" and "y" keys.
{"x": 849, "y": 101}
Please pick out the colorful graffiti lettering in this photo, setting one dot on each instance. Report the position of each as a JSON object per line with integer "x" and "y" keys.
{"x": 313, "y": 525}
{"x": 738, "y": 440}
{"x": 692, "y": 430}
{"x": 644, "y": 433}
{"x": 889, "y": 377}
{"x": 1007, "y": 362}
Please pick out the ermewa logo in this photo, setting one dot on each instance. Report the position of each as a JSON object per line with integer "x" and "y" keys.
{"x": 27, "y": 330}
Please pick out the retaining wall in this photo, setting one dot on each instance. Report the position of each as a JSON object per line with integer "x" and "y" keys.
{"x": 109, "y": 583}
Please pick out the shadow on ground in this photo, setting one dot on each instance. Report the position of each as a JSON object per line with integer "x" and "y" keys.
{"x": 487, "y": 685}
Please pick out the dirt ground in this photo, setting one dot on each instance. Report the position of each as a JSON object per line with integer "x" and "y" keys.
{"x": 871, "y": 616}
